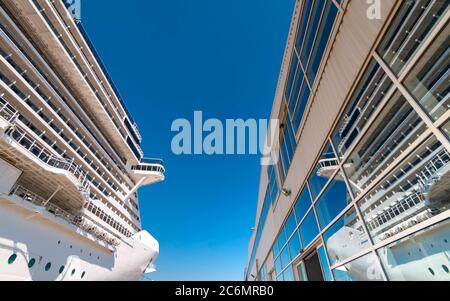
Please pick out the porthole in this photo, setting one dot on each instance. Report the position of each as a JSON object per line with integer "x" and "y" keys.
{"x": 445, "y": 268}
{"x": 31, "y": 263}
{"x": 73, "y": 272}
{"x": 431, "y": 271}
{"x": 48, "y": 266}
{"x": 61, "y": 269}
{"x": 83, "y": 274}
{"x": 71, "y": 247}
{"x": 59, "y": 242}
{"x": 12, "y": 258}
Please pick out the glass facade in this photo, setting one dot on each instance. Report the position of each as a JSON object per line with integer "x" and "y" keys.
{"x": 315, "y": 28}
{"x": 376, "y": 206}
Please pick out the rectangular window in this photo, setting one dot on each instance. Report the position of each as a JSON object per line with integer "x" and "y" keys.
{"x": 429, "y": 81}
{"x": 370, "y": 92}
{"x": 410, "y": 28}
{"x": 312, "y": 30}
{"x": 295, "y": 245}
{"x": 334, "y": 199}
{"x": 411, "y": 194}
{"x": 295, "y": 69}
{"x": 304, "y": 22}
{"x": 345, "y": 238}
{"x": 324, "y": 170}
{"x": 366, "y": 268}
{"x": 323, "y": 37}
{"x": 324, "y": 264}
{"x": 291, "y": 224}
{"x": 391, "y": 133}
{"x": 302, "y": 204}
{"x": 309, "y": 229}
{"x": 297, "y": 115}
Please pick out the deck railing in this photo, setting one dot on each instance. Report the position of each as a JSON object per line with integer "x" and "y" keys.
{"x": 26, "y": 140}
{"x": 79, "y": 220}
{"x": 41, "y": 152}
{"x": 150, "y": 164}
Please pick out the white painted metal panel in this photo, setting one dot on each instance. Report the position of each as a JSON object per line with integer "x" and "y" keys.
{"x": 8, "y": 176}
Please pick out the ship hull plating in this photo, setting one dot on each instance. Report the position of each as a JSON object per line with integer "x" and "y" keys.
{"x": 34, "y": 246}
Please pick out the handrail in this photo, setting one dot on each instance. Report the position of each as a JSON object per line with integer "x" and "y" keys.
{"x": 79, "y": 220}
{"x": 429, "y": 175}
{"x": 7, "y": 111}
{"x": 327, "y": 163}
{"x": 152, "y": 161}
{"x": 20, "y": 135}
{"x": 390, "y": 213}
{"x": 102, "y": 66}
{"x": 150, "y": 164}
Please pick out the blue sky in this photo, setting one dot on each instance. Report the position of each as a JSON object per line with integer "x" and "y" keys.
{"x": 168, "y": 59}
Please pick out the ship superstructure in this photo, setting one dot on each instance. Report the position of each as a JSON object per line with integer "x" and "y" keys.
{"x": 70, "y": 156}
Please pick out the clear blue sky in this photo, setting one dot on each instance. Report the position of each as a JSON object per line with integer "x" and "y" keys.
{"x": 168, "y": 59}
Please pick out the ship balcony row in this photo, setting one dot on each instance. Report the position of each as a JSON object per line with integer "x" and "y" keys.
{"x": 65, "y": 121}
{"x": 55, "y": 176}
{"x": 82, "y": 40}
{"x": 23, "y": 62}
{"x": 75, "y": 70}
{"x": 93, "y": 168}
{"x": 17, "y": 131}
{"x": 81, "y": 221}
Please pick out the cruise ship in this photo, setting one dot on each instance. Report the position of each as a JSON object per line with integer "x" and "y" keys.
{"x": 70, "y": 156}
{"x": 360, "y": 185}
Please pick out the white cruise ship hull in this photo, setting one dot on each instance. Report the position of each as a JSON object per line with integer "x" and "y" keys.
{"x": 37, "y": 246}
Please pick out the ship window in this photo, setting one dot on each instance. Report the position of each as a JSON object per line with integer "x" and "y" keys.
{"x": 445, "y": 268}
{"x": 31, "y": 263}
{"x": 12, "y": 258}
{"x": 48, "y": 266}
{"x": 431, "y": 271}
{"x": 82, "y": 275}
{"x": 73, "y": 272}
{"x": 61, "y": 269}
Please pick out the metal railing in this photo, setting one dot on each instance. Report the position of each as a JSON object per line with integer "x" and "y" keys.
{"x": 429, "y": 175}
{"x": 79, "y": 220}
{"x": 27, "y": 141}
{"x": 102, "y": 66}
{"x": 7, "y": 111}
{"x": 397, "y": 210}
{"x": 150, "y": 164}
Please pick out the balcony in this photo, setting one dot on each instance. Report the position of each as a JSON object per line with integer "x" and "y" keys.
{"x": 151, "y": 169}
{"x": 51, "y": 174}
{"x": 80, "y": 221}
{"x": 68, "y": 67}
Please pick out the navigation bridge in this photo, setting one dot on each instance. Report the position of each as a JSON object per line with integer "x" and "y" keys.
{"x": 147, "y": 172}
